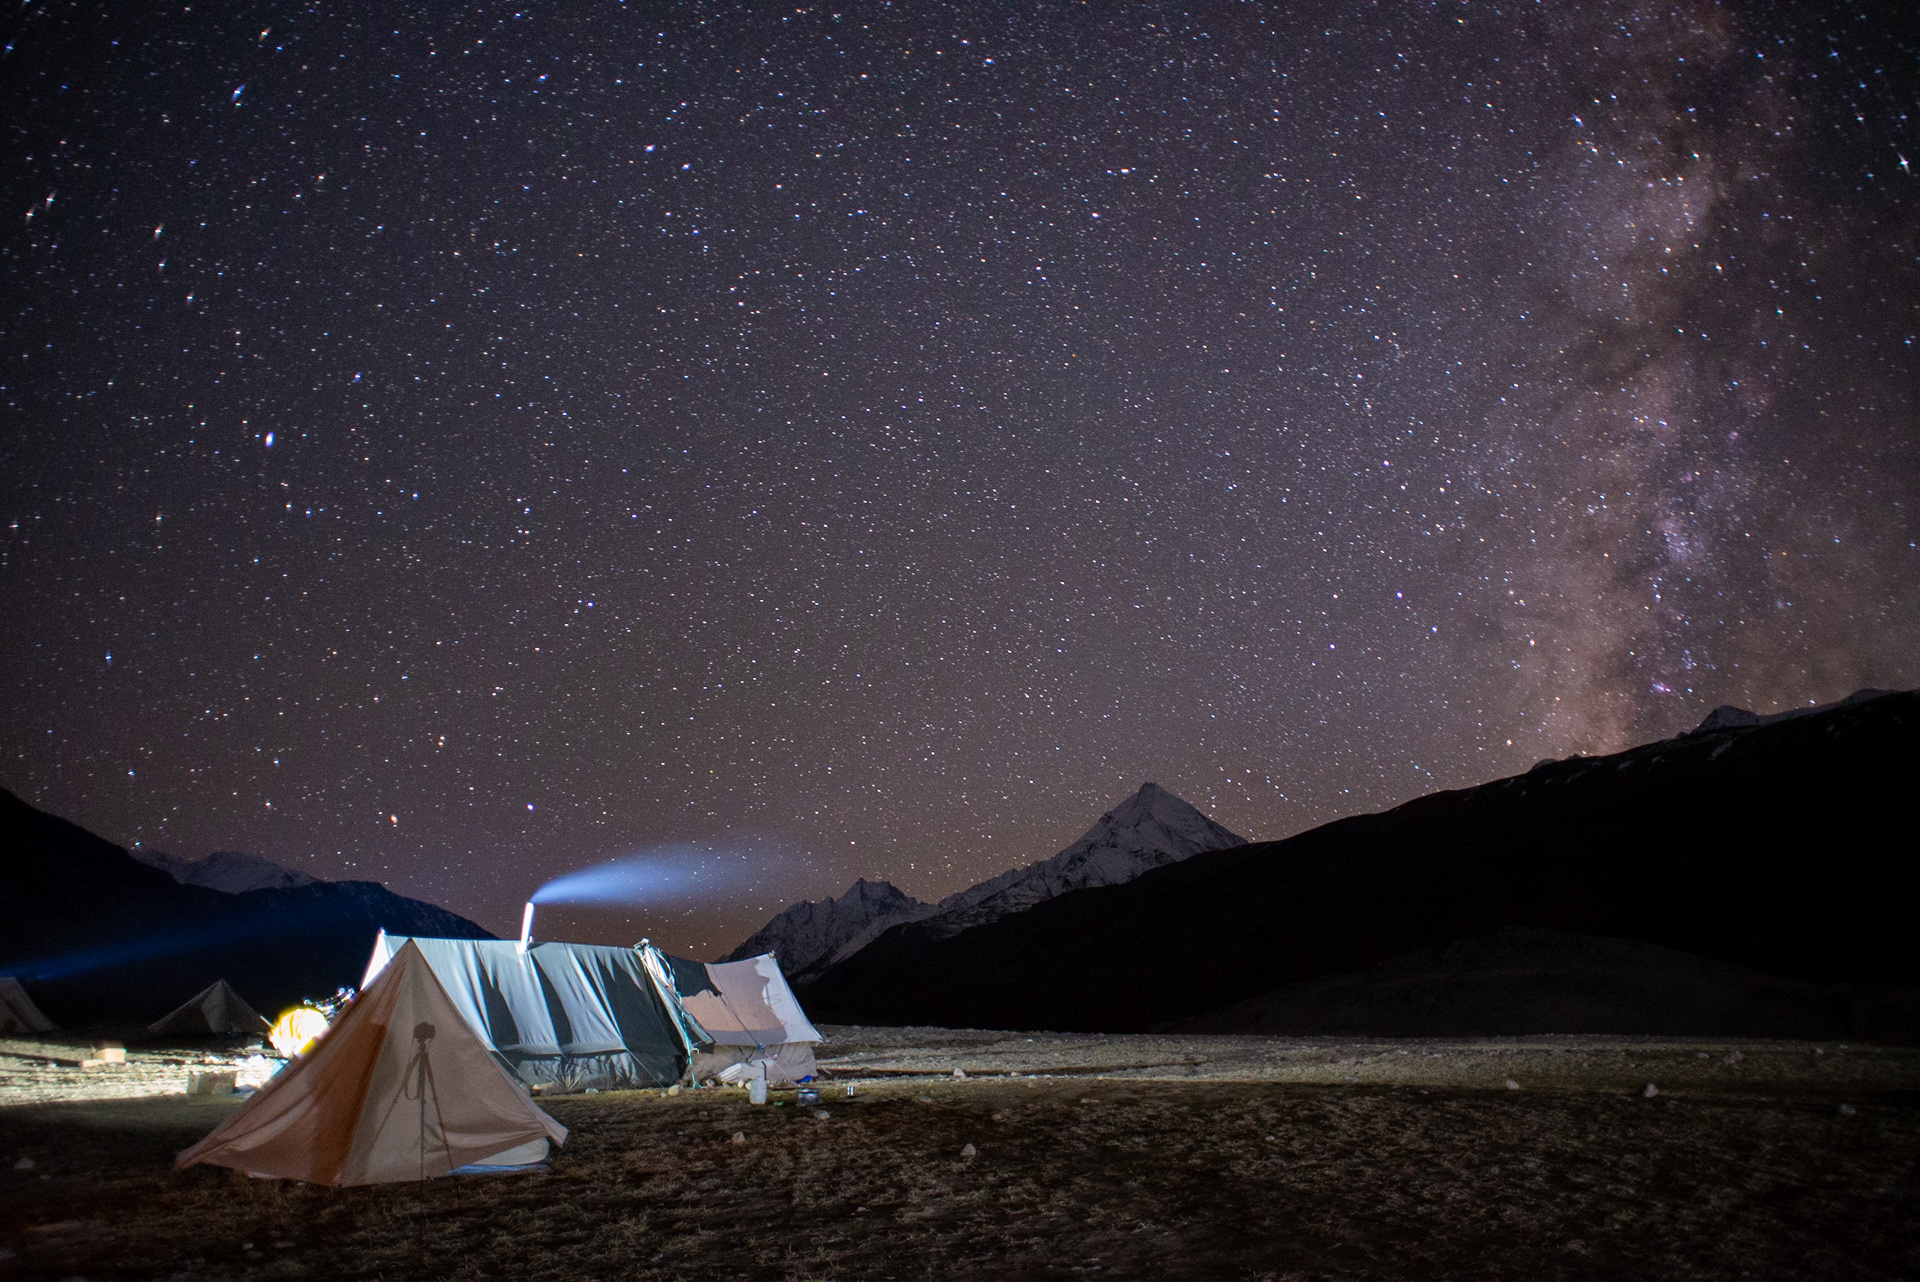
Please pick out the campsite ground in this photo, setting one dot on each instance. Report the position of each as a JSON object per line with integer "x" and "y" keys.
{"x": 1217, "y": 1157}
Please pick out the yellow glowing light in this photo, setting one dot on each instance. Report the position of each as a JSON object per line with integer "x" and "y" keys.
{"x": 296, "y": 1030}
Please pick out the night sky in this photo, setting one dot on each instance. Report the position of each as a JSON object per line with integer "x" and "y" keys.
{"x": 453, "y": 448}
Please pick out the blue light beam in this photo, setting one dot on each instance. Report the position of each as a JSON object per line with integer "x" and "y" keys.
{"x": 670, "y": 874}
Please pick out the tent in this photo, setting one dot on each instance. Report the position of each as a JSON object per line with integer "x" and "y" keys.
{"x": 216, "y": 1009}
{"x": 398, "y": 1089}
{"x": 18, "y": 1014}
{"x": 754, "y": 1019}
{"x": 564, "y": 1017}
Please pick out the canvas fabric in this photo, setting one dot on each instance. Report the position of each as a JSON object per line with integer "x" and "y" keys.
{"x": 787, "y": 1063}
{"x": 564, "y": 1017}
{"x": 751, "y": 1014}
{"x": 400, "y": 1088}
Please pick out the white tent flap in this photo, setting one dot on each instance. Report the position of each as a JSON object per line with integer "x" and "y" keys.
{"x": 750, "y": 1005}
{"x": 754, "y": 1019}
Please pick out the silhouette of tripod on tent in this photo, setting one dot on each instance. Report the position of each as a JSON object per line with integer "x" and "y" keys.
{"x": 419, "y": 1084}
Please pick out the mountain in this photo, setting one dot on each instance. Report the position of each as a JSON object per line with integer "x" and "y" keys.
{"x": 230, "y": 870}
{"x": 1772, "y": 848}
{"x": 809, "y": 935}
{"x": 235, "y": 872}
{"x": 366, "y": 908}
{"x": 1150, "y": 829}
{"x": 1729, "y": 717}
{"x": 96, "y": 935}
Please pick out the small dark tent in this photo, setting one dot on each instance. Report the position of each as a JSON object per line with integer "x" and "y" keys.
{"x": 216, "y": 1009}
{"x": 564, "y": 1016}
{"x": 18, "y": 1014}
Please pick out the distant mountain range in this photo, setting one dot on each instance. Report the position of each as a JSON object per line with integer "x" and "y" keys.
{"x": 96, "y": 935}
{"x": 812, "y": 935}
{"x": 1728, "y": 717}
{"x": 233, "y": 871}
{"x": 1749, "y": 877}
{"x": 1150, "y": 829}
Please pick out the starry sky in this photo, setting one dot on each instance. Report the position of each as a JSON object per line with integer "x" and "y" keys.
{"x": 455, "y": 446}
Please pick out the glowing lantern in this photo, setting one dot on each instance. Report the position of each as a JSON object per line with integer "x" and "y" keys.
{"x": 296, "y": 1030}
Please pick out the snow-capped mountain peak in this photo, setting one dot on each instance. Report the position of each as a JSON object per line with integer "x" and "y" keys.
{"x": 1150, "y": 829}
{"x": 1147, "y": 830}
{"x": 1730, "y": 717}
{"x": 233, "y": 871}
{"x": 812, "y": 934}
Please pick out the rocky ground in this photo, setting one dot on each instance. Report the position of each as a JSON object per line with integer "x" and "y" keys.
{"x": 62, "y": 1068}
{"x": 1581, "y": 1063}
{"x": 1063, "y": 1156}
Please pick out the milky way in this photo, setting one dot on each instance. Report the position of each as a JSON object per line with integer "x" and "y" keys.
{"x": 457, "y": 448}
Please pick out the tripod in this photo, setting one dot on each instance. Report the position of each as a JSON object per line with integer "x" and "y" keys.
{"x": 420, "y": 1085}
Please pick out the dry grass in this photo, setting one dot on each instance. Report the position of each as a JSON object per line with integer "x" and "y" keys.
{"x": 1125, "y": 1178}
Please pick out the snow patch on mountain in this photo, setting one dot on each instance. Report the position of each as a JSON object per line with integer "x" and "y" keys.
{"x": 232, "y": 871}
{"x": 1729, "y": 717}
{"x": 1148, "y": 830}
{"x": 812, "y": 935}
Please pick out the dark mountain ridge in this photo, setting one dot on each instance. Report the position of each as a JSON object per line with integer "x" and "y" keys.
{"x": 1776, "y": 847}
{"x": 96, "y": 935}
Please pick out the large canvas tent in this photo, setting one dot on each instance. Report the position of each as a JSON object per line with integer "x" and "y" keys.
{"x": 563, "y": 1016}
{"x": 752, "y": 1016}
{"x": 214, "y": 1009}
{"x": 399, "y": 1088}
{"x": 18, "y": 1014}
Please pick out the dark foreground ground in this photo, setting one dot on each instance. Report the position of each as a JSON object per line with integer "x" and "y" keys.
{"x": 1730, "y": 1175}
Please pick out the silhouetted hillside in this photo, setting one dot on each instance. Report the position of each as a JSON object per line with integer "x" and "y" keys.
{"x": 95, "y": 935}
{"x": 1782, "y": 848}
{"x": 1526, "y": 980}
